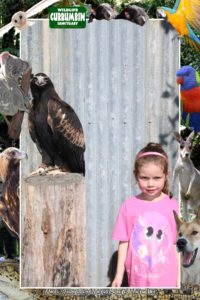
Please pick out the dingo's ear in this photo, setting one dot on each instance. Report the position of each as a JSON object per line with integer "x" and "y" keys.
{"x": 190, "y": 137}
{"x": 177, "y": 220}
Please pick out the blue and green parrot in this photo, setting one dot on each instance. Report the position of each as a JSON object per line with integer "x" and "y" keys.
{"x": 184, "y": 17}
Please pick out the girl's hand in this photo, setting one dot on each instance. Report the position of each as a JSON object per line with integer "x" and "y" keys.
{"x": 122, "y": 251}
{"x": 117, "y": 282}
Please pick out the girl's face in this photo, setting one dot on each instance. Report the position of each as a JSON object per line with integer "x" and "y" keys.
{"x": 151, "y": 180}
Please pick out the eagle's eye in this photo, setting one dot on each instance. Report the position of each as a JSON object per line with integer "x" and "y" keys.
{"x": 20, "y": 17}
{"x": 15, "y": 21}
{"x": 13, "y": 153}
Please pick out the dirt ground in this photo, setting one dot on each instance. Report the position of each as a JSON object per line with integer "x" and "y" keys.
{"x": 9, "y": 289}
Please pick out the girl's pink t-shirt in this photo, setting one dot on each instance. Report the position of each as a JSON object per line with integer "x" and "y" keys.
{"x": 150, "y": 229}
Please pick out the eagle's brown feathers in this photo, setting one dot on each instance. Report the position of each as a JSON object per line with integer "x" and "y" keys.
{"x": 9, "y": 202}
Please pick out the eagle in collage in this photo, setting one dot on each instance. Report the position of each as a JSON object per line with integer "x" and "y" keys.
{"x": 55, "y": 128}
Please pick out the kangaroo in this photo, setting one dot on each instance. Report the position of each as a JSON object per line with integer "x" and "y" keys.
{"x": 189, "y": 176}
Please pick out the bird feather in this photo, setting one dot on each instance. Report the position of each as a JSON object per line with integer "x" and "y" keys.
{"x": 65, "y": 125}
{"x": 5, "y": 29}
{"x": 184, "y": 17}
{"x": 192, "y": 43}
{"x": 40, "y": 6}
{"x": 176, "y": 5}
{"x": 193, "y": 15}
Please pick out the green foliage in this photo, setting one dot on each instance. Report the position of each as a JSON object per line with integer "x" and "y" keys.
{"x": 150, "y": 6}
{"x": 189, "y": 57}
{"x": 196, "y": 151}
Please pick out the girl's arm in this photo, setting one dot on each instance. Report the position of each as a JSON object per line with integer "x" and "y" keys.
{"x": 122, "y": 251}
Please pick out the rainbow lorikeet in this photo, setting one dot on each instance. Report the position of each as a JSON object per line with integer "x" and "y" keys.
{"x": 189, "y": 79}
{"x": 183, "y": 16}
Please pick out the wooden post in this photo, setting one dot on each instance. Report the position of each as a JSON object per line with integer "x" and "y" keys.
{"x": 53, "y": 233}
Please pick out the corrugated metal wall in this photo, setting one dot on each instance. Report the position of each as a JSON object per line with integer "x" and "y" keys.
{"x": 120, "y": 79}
{"x": 3, "y": 296}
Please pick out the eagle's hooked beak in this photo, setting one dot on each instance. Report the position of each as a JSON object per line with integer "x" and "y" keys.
{"x": 39, "y": 80}
{"x": 21, "y": 155}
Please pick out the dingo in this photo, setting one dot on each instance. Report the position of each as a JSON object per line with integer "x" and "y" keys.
{"x": 188, "y": 243}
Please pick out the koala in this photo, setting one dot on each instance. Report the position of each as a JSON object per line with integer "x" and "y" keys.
{"x": 11, "y": 95}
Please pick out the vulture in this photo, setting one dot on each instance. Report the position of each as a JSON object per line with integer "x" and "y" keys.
{"x": 55, "y": 128}
{"x": 9, "y": 201}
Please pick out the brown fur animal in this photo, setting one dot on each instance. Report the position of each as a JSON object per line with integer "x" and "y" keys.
{"x": 188, "y": 243}
{"x": 9, "y": 202}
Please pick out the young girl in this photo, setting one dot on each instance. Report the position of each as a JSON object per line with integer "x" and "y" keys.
{"x": 145, "y": 227}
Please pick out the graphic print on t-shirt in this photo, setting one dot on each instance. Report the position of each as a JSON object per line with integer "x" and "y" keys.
{"x": 150, "y": 242}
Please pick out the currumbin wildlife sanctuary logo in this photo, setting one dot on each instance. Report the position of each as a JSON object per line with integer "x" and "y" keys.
{"x": 67, "y": 17}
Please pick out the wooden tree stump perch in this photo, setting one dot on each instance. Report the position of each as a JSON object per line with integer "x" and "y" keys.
{"x": 53, "y": 231}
